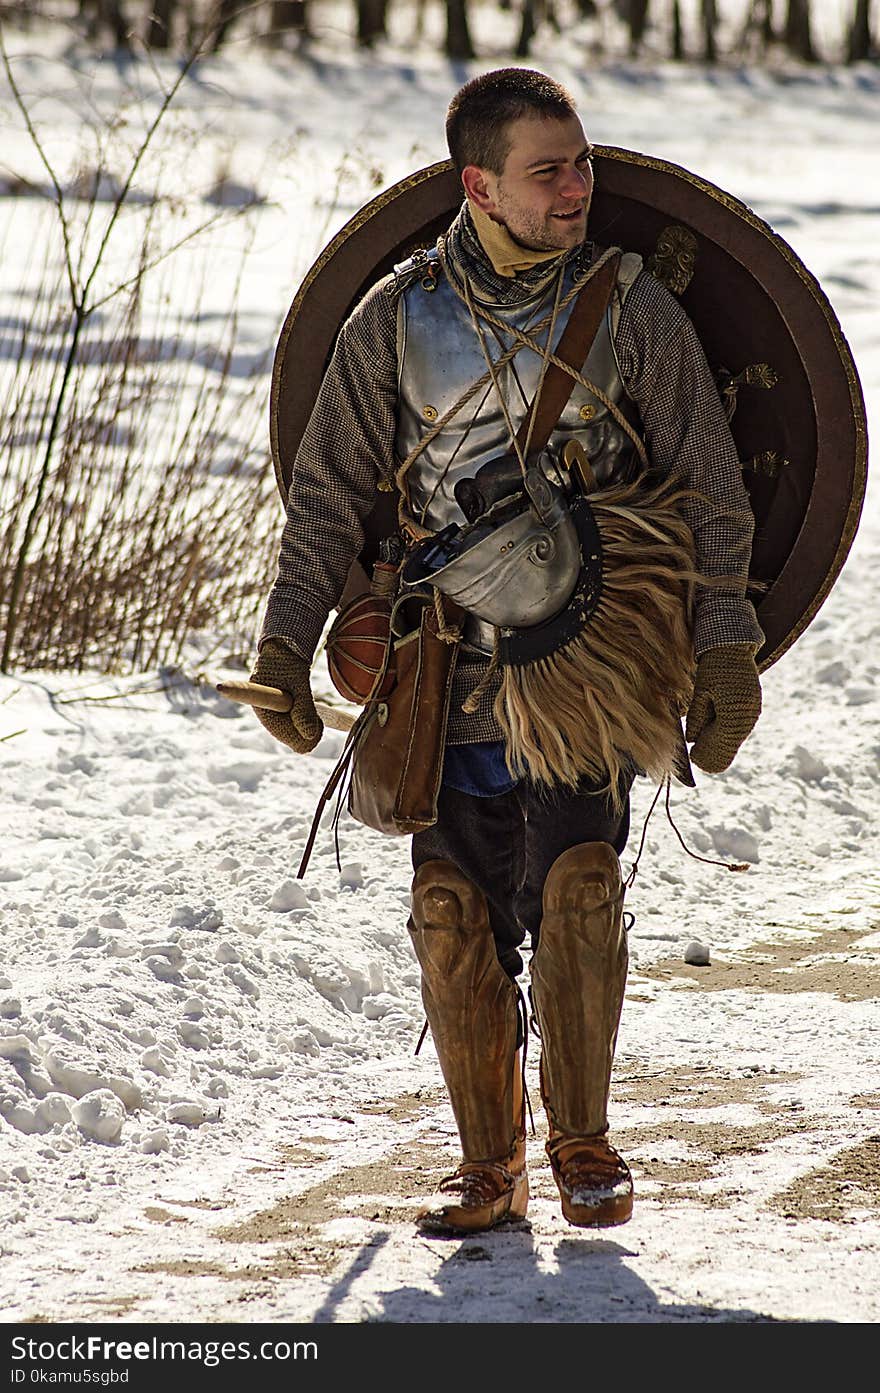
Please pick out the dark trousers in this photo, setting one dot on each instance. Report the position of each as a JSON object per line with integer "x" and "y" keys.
{"x": 506, "y": 845}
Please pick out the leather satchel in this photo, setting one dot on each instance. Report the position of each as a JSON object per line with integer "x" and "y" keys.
{"x": 397, "y": 762}
{"x": 395, "y": 748}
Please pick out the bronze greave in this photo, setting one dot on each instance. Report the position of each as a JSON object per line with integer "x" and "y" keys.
{"x": 470, "y": 1003}
{"x": 578, "y": 978}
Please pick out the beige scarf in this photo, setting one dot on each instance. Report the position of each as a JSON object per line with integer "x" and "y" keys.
{"x": 506, "y": 255}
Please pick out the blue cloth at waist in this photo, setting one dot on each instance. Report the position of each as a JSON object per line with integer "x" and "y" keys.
{"x": 480, "y": 769}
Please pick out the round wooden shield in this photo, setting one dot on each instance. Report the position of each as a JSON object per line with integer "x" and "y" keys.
{"x": 770, "y": 335}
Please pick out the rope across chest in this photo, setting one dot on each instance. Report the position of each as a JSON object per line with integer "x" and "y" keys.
{"x": 468, "y": 373}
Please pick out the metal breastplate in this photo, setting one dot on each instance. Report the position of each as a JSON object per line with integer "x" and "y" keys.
{"x": 439, "y": 358}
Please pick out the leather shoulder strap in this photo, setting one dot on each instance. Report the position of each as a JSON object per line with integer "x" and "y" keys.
{"x": 576, "y": 341}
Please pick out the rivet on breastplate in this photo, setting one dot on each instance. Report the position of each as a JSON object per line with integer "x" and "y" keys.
{"x": 587, "y": 412}
{"x": 430, "y": 413}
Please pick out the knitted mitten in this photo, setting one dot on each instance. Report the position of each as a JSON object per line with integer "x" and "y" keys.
{"x": 725, "y": 705}
{"x": 278, "y": 666}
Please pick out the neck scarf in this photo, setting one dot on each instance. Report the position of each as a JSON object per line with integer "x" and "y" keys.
{"x": 467, "y": 257}
{"x": 506, "y": 255}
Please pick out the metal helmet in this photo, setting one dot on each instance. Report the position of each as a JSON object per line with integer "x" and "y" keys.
{"x": 531, "y": 565}
{"x": 511, "y": 571}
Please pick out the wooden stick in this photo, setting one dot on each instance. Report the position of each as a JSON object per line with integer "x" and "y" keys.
{"x": 273, "y": 699}
{"x": 254, "y": 694}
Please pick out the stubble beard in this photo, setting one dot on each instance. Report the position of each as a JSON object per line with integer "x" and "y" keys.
{"x": 543, "y": 235}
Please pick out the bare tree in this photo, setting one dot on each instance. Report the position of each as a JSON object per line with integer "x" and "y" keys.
{"x": 223, "y": 16}
{"x": 371, "y": 21}
{"x": 677, "y": 32}
{"x": 160, "y": 23}
{"x": 421, "y": 7}
{"x": 287, "y": 17}
{"x": 530, "y": 20}
{"x": 458, "y": 35}
{"x": 105, "y": 14}
{"x": 798, "y": 32}
{"x": 636, "y": 14}
{"x": 758, "y": 25}
{"x": 709, "y": 16}
{"x": 859, "y": 44}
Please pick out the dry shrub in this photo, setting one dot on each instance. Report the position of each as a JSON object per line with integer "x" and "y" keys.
{"x": 160, "y": 514}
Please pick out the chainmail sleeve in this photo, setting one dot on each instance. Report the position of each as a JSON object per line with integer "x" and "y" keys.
{"x": 665, "y": 372}
{"x": 345, "y": 453}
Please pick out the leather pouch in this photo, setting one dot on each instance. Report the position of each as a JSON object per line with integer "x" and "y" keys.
{"x": 395, "y": 748}
{"x": 397, "y": 757}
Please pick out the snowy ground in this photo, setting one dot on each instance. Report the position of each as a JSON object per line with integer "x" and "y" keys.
{"x": 209, "y": 1105}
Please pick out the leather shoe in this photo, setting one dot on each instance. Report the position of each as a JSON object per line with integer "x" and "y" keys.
{"x": 479, "y": 1195}
{"x": 594, "y": 1181}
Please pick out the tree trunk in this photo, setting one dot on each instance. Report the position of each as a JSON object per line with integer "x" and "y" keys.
{"x": 759, "y": 20}
{"x": 111, "y": 13}
{"x": 637, "y": 15}
{"x": 222, "y": 16}
{"x": 798, "y": 36}
{"x": 859, "y": 44}
{"x": 677, "y": 33}
{"x": 709, "y": 13}
{"x": 371, "y": 16}
{"x": 101, "y": 14}
{"x": 767, "y": 31}
{"x": 159, "y": 23}
{"x": 529, "y": 28}
{"x": 285, "y": 17}
{"x": 458, "y": 36}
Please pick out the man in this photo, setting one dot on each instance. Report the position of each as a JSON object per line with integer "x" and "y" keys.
{"x": 510, "y": 858}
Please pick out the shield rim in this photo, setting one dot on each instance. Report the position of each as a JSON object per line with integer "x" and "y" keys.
{"x": 443, "y": 168}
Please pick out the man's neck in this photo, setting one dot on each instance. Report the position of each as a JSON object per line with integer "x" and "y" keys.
{"x": 506, "y": 255}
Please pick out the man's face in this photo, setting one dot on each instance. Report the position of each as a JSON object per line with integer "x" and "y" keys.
{"x": 543, "y": 194}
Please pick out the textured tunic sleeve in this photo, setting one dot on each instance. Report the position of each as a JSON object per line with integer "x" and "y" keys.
{"x": 665, "y": 372}
{"x": 345, "y": 452}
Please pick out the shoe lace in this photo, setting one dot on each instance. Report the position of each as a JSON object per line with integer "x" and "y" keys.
{"x": 477, "y": 1182}
{"x": 593, "y": 1160}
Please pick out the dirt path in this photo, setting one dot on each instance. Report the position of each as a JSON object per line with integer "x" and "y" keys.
{"x": 758, "y": 1185}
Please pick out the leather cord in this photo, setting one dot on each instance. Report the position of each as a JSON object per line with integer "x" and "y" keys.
{"x": 573, "y": 347}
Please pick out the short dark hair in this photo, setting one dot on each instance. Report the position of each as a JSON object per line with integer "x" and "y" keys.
{"x": 480, "y": 112}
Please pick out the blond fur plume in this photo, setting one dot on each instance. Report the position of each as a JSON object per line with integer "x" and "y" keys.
{"x": 619, "y": 688}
